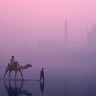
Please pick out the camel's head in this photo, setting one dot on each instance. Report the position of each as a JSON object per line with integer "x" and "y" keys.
{"x": 29, "y": 65}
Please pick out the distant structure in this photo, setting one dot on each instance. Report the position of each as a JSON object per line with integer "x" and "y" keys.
{"x": 65, "y": 33}
{"x": 49, "y": 45}
{"x": 91, "y": 38}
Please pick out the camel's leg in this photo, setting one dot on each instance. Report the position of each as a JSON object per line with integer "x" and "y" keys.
{"x": 6, "y": 72}
{"x": 21, "y": 73}
{"x": 15, "y": 74}
{"x": 9, "y": 73}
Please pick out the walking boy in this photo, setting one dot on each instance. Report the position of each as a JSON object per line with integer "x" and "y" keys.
{"x": 42, "y": 74}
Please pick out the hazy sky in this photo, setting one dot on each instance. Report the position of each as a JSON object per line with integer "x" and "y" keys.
{"x": 23, "y": 23}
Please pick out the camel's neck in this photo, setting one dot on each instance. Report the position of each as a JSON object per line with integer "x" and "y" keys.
{"x": 25, "y": 67}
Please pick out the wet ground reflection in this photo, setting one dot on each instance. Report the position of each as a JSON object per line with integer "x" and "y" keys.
{"x": 15, "y": 90}
{"x": 71, "y": 81}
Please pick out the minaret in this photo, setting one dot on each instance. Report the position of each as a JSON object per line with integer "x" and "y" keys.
{"x": 66, "y": 33}
{"x": 91, "y": 38}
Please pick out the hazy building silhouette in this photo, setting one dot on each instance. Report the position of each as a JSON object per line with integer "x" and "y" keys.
{"x": 65, "y": 33}
{"x": 49, "y": 45}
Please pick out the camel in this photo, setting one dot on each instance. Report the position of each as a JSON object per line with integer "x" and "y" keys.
{"x": 16, "y": 68}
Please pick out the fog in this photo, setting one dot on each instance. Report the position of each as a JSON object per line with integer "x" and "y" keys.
{"x": 33, "y": 31}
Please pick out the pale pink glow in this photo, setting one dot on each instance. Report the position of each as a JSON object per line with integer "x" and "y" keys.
{"x": 30, "y": 21}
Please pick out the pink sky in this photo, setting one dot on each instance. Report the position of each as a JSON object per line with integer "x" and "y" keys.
{"x": 29, "y": 21}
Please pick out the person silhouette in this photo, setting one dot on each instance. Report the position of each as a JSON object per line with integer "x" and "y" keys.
{"x": 42, "y": 74}
{"x": 42, "y": 86}
{"x": 12, "y": 61}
